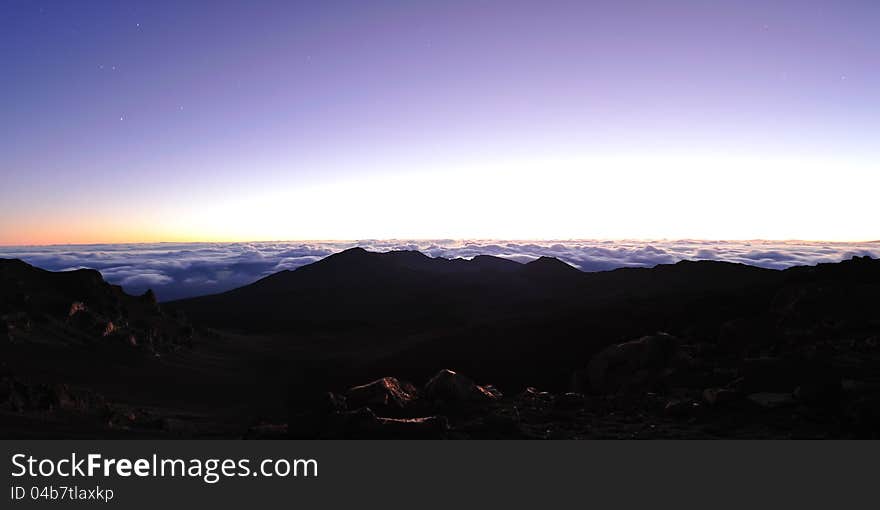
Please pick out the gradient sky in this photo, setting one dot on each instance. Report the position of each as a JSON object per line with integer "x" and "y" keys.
{"x": 182, "y": 121}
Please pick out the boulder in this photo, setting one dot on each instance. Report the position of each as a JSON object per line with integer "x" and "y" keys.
{"x": 384, "y": 392}
{"x": 448, "y": 386}
{"x": 76, "y": 307}
{"x": 633, "y": 364}
{"x": 109, "y": 329}
{"x": 535, "y": 396}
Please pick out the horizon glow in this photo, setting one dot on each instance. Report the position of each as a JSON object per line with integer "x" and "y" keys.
{"x": 169, "y": 121}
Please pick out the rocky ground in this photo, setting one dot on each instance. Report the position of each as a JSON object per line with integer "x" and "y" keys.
{"x": 650, "y": 393}
{"x": 653, "y": 387}
{"x": 798, "y": 356}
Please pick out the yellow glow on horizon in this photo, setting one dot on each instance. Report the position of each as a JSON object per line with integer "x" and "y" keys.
{"x": 596, "y": 198}
{"x": 632, "y": 197}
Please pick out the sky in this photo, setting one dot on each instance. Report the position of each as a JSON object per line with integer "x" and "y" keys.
{"x": 148, "y": 121}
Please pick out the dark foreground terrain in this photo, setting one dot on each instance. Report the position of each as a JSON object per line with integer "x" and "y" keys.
{"x": 400, "y": 345}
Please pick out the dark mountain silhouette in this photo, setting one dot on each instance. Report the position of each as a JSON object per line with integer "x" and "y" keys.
{"x": 546, "y": 266}
{"x": 746, "y": 352}
{"x": 356, "y": 285}
{"x": 491, "y": 316}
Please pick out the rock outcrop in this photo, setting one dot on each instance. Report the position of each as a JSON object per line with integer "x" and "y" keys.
{"x": 386, "y": 392}
{"x": 635, "y": 364}
{"x": 450, "y": 387}
{"x": 80, "y": 308}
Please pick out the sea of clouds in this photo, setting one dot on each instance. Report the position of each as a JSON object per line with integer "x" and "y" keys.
{"x": 178, "y": 270}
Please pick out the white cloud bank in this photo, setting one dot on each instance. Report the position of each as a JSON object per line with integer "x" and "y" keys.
{"x": 177, "y": 270}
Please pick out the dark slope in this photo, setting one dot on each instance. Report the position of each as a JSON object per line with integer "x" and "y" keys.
{"x": 357, "y": 285}
{"x": 80, "y": 307}
{"x": 80, "y": 358}
{"x": 488, "y": 315}
{"x": 356, "y": 288}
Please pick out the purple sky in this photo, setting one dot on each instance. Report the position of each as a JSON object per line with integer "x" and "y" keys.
{"x": 154, "y": 120}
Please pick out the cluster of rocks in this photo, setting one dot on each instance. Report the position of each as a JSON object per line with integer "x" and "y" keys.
{"x": 835, "y": 393}
{"x": 79, "y": 307}
{"x": 655, "y": 386}
{"x": 153, "y": 331}
{"x": 390, "y": 408}
{"x": 14, "y": 325}
{"x": 22, "y": 396}
{"x": 72, "y": 407}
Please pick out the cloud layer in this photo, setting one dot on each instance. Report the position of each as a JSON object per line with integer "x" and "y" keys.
{"x": 178, "y": 270}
